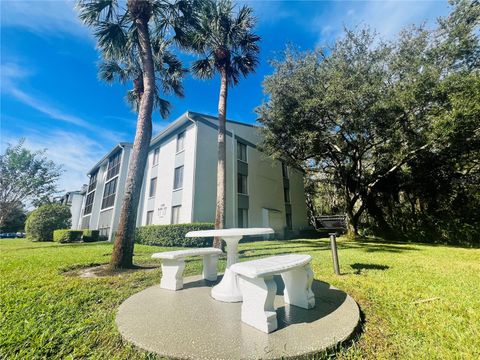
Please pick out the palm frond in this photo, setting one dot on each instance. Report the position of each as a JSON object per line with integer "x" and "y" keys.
{"x": 203, "y": 68}
{"x": 111, "y": 71}
{"x": 132, "y": 99}
{"x": 245, "y": 63}
{"x": 249, "y": 42}
{"x": 220, "y": 31}
{"x": 112, "y": 39}
{"x": 233, "y": 76}
{"x": 91, "y": 12}
{"x": 245, "y": 18}
{"x": 118, "y": 40}
{"x": 162, "y": 105}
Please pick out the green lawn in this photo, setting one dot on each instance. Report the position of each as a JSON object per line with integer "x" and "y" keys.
{"x": 44, "y": 313}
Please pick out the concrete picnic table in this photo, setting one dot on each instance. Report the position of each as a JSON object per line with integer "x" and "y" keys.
{"x": 228, "y": 290}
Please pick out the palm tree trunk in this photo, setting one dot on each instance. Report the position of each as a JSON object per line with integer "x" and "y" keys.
{"x": 221, "y": 166}
{"x": 122, "y": 255}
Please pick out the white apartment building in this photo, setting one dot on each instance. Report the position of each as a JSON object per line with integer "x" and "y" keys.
{"x": 180, "y": 181}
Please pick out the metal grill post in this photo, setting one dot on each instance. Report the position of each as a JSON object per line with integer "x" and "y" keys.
{"x": 333, "y": 246}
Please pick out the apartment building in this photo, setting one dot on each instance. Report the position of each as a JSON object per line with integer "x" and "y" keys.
{"x": 179, "y": 183}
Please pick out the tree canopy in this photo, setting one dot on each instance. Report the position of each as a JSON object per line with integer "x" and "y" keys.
{"x": 115, "y": 28}
{"x": 376, "y": 118}
{"x": 26, "y": 178}
{"x": 224, "y": 39}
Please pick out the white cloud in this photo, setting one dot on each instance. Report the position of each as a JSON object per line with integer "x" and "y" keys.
{"x": 45, "y": 17}
{"x": 385, "y": 17}
{"x": 12, "y": 73}
{"x": 77, "y": 153}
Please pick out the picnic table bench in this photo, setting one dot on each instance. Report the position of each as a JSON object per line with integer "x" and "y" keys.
{"x": 173, "y": 264}
{"x": 259, "y": 288}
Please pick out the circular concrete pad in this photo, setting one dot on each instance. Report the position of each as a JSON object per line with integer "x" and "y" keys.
{"x": 190, "y": 324}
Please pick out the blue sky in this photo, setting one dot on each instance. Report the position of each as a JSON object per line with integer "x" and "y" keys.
{"x": 50, "y": 93}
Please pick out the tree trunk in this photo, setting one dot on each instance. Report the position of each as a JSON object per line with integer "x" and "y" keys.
{"x": 377, "y": 214}
{"x": 122, "y": 255}
{"x": 221, "y": 165}
{"x": 352, "y": 225}
{"x": 353, "y": 217}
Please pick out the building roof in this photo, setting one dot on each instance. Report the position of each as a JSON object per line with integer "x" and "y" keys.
{"x": 195, "y": 115}
{"x": 189, "y": 116}
{"x": 118, "y": 146}
{"x": 174, "y": 125}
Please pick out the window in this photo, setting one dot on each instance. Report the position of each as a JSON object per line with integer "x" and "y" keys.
{"x": 289, "y": 221}
{"x": 103, "y": 232}
{"x": 241, "y": 151}
{"x": 156, "y": 154}
{"x": 149, "y": 217}
{"x": 242, "y": 218}
{"x": 178, "y": 178}
{"x": 109, "y": 194}
{"x": 114, "y": 165}
{"x": 153, "y": 187}
{"x": 286, "y": 195}
{"x": 176, "y": 214}
{"x": 181, "y": 141}
{"x": 93, "y": 181}
{"x": 285, "y": 170}
{"x": 242, "y": 184}
{"x": 89, "y": 203}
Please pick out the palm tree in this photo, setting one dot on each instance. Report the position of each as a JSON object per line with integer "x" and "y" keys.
{"x": 228, "y": 47}
{"x": 134, "y": 46}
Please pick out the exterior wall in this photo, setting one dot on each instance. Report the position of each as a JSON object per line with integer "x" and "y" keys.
{"x": 107, "y": 218}
{"x": 205, "y": 176}
{"x": 76, "y": 210}
{"x": 265, "y": 200}
{"x": 74, "y": 199}
{"x": 120, "y": 194}
{"x": 165, "y": 196}
{"x": 265, "y": 183}
{"x": 298, "y": 199}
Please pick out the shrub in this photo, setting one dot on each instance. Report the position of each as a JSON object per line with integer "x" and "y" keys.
{"x": 91, "y": 235}
{"x": 43, "y": 221}
{"x": 67, "y": 235}
{"x": 172, "y": 235}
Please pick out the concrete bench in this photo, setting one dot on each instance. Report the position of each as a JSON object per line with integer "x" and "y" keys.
{"x": 173, "y": 264}
{"x": 259, "y": 288}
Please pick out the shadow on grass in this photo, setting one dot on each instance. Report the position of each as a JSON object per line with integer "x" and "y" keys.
{"x": 52, "y": 244}
{"x": 309, "y": 246}
{"x": 327, "y": 301}
{"x": 359, "y": 268}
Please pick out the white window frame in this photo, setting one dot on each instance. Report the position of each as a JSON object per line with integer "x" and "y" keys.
{"x": 156, "y": 156}
{"x": 239, "y": 152}
{"x": 153, "y": 180}
{"x": 181, "y": 142}
{"x": 149, "y": 219}
{"x": 244, "y": 213}
{"x": 246, "y": 184}
{"x": 175, "y": 177}
{"x": 176, "y": 214}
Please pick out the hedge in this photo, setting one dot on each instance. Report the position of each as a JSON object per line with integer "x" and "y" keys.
{"x": 67, "y": 235}
{"x": 172, "y": 235}
{"x": 91, "y": 235}
{"x": 43, "y": 221}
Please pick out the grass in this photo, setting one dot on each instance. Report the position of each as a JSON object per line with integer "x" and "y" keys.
{"x": 419, "y": 301}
